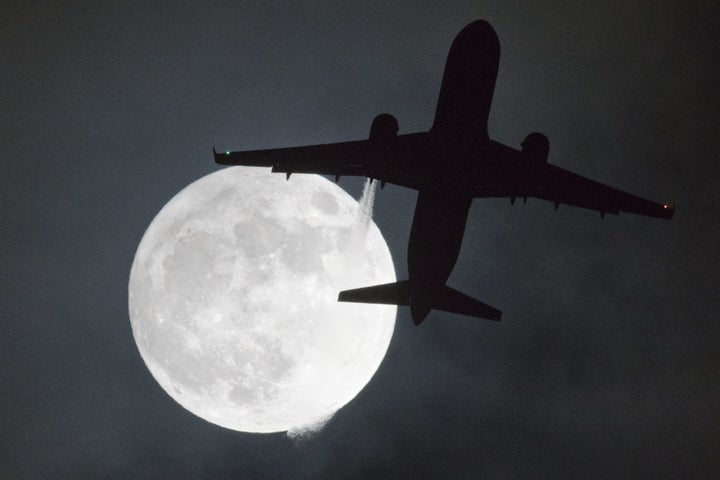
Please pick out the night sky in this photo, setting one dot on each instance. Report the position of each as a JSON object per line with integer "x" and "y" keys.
{"x": 607, "y": 361}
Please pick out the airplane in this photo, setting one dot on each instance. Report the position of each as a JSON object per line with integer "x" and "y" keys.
{"x": 449, "y": 165}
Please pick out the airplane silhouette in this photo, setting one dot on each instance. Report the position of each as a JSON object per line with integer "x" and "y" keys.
{"x": 449, "y": 166}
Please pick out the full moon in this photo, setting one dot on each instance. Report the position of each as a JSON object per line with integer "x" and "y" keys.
{"x": 233, "y": 299}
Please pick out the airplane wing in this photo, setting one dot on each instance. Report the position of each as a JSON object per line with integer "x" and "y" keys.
{"x": 560, "y": 186}
{"x": 384, "y": 161}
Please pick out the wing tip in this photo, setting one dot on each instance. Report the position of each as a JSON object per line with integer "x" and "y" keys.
{"x": 222, "y": 158}
{"x": 668, "y": 210}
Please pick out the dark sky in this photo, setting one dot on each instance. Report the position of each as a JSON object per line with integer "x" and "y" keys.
{"x": 606, "y": 363}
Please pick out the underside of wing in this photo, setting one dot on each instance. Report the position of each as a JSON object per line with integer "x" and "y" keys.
{"x": 515, "y": 177}
{"x": 389, "y": 161}
{"x": 561, "y": 186}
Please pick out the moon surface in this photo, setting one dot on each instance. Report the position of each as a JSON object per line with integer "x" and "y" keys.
{"x": 233, "y": 299}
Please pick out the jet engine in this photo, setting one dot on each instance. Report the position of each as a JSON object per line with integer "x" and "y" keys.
{"x": 384, "y": 128}
{"x": 535, "y": 148}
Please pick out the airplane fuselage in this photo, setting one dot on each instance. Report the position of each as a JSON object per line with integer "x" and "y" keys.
{"x": 435, "y": 240}
{"x": 458, "y": 139}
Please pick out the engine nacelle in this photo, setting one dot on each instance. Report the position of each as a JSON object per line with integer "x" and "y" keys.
{"x": 384, "y": 129}
{"x": 535, "y": 148}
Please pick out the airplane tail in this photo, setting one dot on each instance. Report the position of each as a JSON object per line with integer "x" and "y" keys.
{"x": 401, "y": 293}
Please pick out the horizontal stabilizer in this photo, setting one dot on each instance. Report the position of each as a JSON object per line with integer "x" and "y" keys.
{"x": 445, "y": 298}
{"x": 397, "y": 293}
{"x": 453, "y": 301}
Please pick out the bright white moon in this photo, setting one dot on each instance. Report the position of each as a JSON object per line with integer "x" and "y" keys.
{"x": 233, "y": 299}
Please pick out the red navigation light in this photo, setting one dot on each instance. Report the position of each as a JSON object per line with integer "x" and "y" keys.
{"x": 665, "y": 206}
